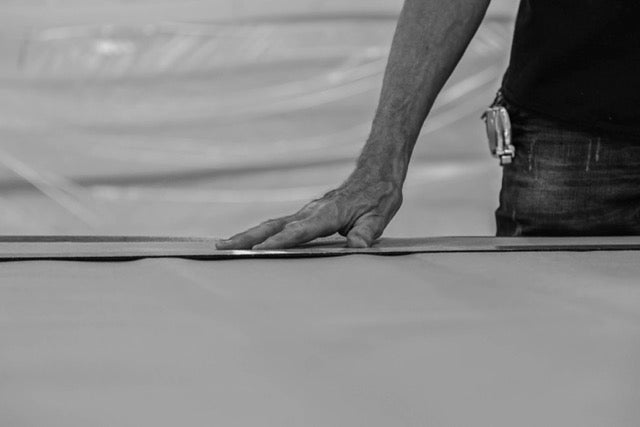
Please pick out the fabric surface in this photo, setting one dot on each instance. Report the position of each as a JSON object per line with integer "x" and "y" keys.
{"x": 578, "y": 61}
{"x": 566, "y": 181}
{"x": 129, "y": 248}
{"x": 440, "y": 339}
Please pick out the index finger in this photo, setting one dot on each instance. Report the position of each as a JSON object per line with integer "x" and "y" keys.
{"x": 251, "y": 237}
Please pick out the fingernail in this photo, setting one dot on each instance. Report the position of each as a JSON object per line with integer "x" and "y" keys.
{"x": 357, "y": 242}
{"x": 222, "y": 242}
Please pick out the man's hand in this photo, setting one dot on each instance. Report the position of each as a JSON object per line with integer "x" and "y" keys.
{"x": 360, "y": 209}
{"x": 430, "y": 38}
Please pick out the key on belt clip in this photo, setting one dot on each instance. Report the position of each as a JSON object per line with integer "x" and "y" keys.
{"x": 499, "y": 132}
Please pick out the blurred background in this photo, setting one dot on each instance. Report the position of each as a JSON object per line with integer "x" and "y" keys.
{"x": 204, "y": 117}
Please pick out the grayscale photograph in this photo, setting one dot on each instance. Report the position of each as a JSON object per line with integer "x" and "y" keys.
{"x": 296, "y": 213}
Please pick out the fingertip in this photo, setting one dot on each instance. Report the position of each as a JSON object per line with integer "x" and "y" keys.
{"x": 222, "y": 244}
{"x": 230, "y": 244}
{"x": 357, "y": 242}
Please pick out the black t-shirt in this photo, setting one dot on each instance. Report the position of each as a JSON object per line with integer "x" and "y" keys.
{"x": 578, "y": 61}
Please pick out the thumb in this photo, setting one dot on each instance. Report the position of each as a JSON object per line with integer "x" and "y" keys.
{"x": 365, "y": 231}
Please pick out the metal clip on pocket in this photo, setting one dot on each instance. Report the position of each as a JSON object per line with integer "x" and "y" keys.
{"x": 499, "y": 132}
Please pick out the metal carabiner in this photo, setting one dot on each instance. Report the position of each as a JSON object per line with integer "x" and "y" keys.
{"x": 498, "y": 127}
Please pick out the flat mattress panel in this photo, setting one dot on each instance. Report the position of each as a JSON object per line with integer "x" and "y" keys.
{"x": 113, "y": 248}
{"x": 443, "y": 339}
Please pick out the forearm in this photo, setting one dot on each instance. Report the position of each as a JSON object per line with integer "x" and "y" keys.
{"x": 430, "y": 38}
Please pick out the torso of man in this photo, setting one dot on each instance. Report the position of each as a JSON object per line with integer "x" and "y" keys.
{"x": 578, "y": 61}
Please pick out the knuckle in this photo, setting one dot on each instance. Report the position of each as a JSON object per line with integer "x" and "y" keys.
{"x": 294, "y": 227}
{"x": 272, "y": 221}
{"x": 312, "y": 208}
{"x": 330, "y": 195}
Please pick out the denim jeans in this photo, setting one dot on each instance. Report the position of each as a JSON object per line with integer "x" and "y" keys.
{"x": 567, "y": 181}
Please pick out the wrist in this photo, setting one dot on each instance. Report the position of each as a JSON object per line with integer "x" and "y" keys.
{"x": 384, "y": 158}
